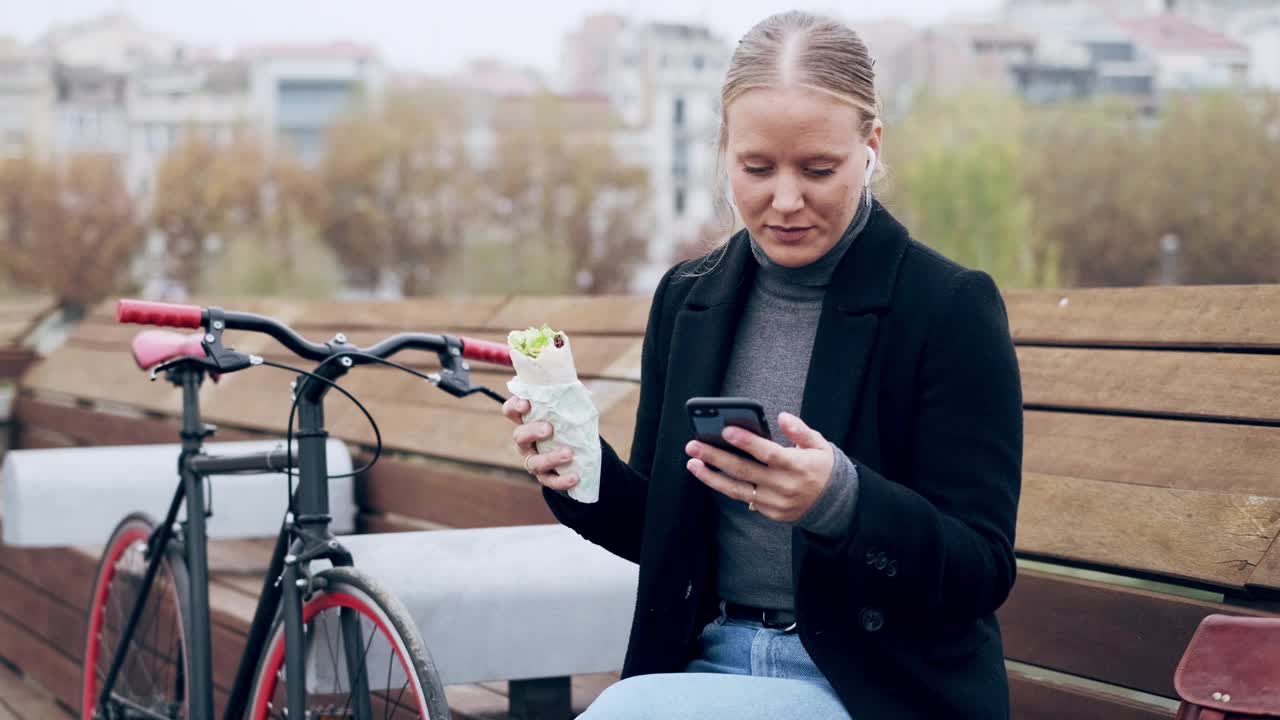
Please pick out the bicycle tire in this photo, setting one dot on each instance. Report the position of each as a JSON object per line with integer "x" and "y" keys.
{"x": 351, "y": 589}
{"x": 109, "y": 600}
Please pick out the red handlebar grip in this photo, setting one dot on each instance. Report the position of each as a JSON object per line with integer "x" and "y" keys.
{"x": 142, "y": 312}
{"x": 485, "y": 351}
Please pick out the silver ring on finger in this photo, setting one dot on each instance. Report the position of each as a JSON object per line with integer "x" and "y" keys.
{"x": 751, "y": 506}
{"x": 528, "y": 469}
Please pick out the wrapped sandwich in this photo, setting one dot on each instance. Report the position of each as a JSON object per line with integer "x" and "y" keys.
{"x": 547, "y": 378}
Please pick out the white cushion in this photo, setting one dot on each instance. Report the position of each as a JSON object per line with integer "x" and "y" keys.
{"x": 75, "y": 496}
{"x": 506, "y": 603}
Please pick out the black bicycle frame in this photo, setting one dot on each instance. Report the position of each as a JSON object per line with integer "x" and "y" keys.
{"x": 304, "y": 536}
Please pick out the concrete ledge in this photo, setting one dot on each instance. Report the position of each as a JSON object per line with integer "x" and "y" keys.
{"x": 75, "y": 496}
{"x": 507, "y": 603}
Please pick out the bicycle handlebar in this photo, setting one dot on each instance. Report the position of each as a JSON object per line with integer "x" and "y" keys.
{"x": 193, "y": 316}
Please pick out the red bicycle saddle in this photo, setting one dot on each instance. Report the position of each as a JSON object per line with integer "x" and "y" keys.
{"x": 153, "y": 347}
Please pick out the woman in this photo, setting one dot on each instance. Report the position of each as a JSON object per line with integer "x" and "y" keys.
{"x": 852, "y": 568}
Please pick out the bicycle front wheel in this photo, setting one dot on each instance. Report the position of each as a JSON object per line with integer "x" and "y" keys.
{"x": 352, "y": 617}
{"x": 152, "y": 680}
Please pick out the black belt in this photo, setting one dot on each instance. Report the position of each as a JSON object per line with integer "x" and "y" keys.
{"x": 769, "y": 617}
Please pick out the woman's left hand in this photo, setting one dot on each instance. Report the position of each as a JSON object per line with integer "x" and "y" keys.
{"x": 786, "y": 481}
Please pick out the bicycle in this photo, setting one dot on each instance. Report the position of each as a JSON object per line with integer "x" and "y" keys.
{"x": 313, "y": 632}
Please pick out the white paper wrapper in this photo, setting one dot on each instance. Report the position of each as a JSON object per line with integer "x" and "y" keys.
{"x": 550, "y": 384}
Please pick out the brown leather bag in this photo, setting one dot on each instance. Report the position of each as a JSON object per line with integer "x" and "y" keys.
{"x": 1230, "y": 670}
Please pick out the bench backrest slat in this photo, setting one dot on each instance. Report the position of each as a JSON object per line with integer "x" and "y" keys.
{"x": 1224, "y": 386}
{"x": 1244, "y": 316}
{"x": 1189, "y": 455}
{"x": 1213, "y": 539}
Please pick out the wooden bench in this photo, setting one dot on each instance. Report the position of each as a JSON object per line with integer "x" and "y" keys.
{"x": 18, "y": 318}
{"x": 1152, "y": 453}
{"x": 1150, "y": 494}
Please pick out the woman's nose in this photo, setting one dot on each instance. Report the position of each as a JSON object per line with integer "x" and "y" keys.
{"x": 787, "y": 197}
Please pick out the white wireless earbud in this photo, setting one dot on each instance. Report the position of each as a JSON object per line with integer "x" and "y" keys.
{"x": 871, "y": 166}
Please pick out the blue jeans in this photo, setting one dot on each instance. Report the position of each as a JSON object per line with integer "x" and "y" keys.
{"x": 742, "y": 670}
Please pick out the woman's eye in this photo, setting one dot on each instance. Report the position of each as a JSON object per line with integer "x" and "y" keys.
{"x": 821, "y": 172}
{"x": 755, "y": 169}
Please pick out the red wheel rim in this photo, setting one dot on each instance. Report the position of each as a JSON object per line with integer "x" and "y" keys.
{"x": 275, "y": 656}
{"x": 126, "y": 539}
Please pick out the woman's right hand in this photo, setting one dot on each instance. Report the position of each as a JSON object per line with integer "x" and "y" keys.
{"x": 540, "y": 465}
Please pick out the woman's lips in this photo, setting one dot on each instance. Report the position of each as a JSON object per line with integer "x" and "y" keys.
{"x": 793, "y": 234}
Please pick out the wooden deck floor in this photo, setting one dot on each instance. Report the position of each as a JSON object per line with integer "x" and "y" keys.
{"x": 21, "y": 699}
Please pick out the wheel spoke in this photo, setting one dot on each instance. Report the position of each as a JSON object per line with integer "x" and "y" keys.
{"x": 387, "y": 714}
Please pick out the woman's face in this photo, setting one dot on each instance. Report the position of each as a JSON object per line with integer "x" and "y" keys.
{"x": 796, "y": 164}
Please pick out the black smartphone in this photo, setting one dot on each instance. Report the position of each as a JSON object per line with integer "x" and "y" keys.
{"x": 709, "y": 416}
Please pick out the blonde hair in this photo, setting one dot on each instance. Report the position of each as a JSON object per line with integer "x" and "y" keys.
{"x": 800, "y": 49}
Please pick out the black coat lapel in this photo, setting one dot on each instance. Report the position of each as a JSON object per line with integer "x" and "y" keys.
{"x": 705, "y": 326}
{"x": 861, "y": 288}
{"x": 702, "y": 337}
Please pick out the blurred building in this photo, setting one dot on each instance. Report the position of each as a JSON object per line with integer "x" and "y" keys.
{"x": 26, "y": 99}
{"x": 298, "y": 92}
{"x": 499, "y": 78}
{"x": 1187, "y": 56}
{"x": 1089, "y": 59}
{"x": 1218, "y": 14}
{"x": 945, "y": 59}
{"x": 1253, "y": 23}
{"x": 1149, "y": 47}
{"x": 169, "y": 100}
{"x": 110, "y": 85}
{"x": 93, "y": 63}
{"x": 663, "y": 80}
{"x": 1259, "y": 29}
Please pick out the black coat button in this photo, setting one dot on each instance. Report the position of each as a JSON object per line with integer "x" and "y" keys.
{"x": 872, "y": 619}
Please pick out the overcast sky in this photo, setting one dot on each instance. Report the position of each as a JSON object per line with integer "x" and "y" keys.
{"x": 434, "y": 35}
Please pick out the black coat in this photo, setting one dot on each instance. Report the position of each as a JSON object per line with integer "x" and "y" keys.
{"x": 914, "y": 375}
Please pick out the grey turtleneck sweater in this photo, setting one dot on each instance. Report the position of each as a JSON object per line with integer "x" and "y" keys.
{"x": 769, "y": 362}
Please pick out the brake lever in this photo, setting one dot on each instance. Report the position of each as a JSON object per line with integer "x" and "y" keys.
{"x": 218, "y": 359}
{"x": 224, "y": 359}
{"x": 461, "y": 388}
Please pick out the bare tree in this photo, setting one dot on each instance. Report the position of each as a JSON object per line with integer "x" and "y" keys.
{"x": 205, "y": 189}
{"x": 558, "y": 185}
{"x": 69, "y": 228}
{"x": 392, "y": 189}
{"x": 1107, "y": 184}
